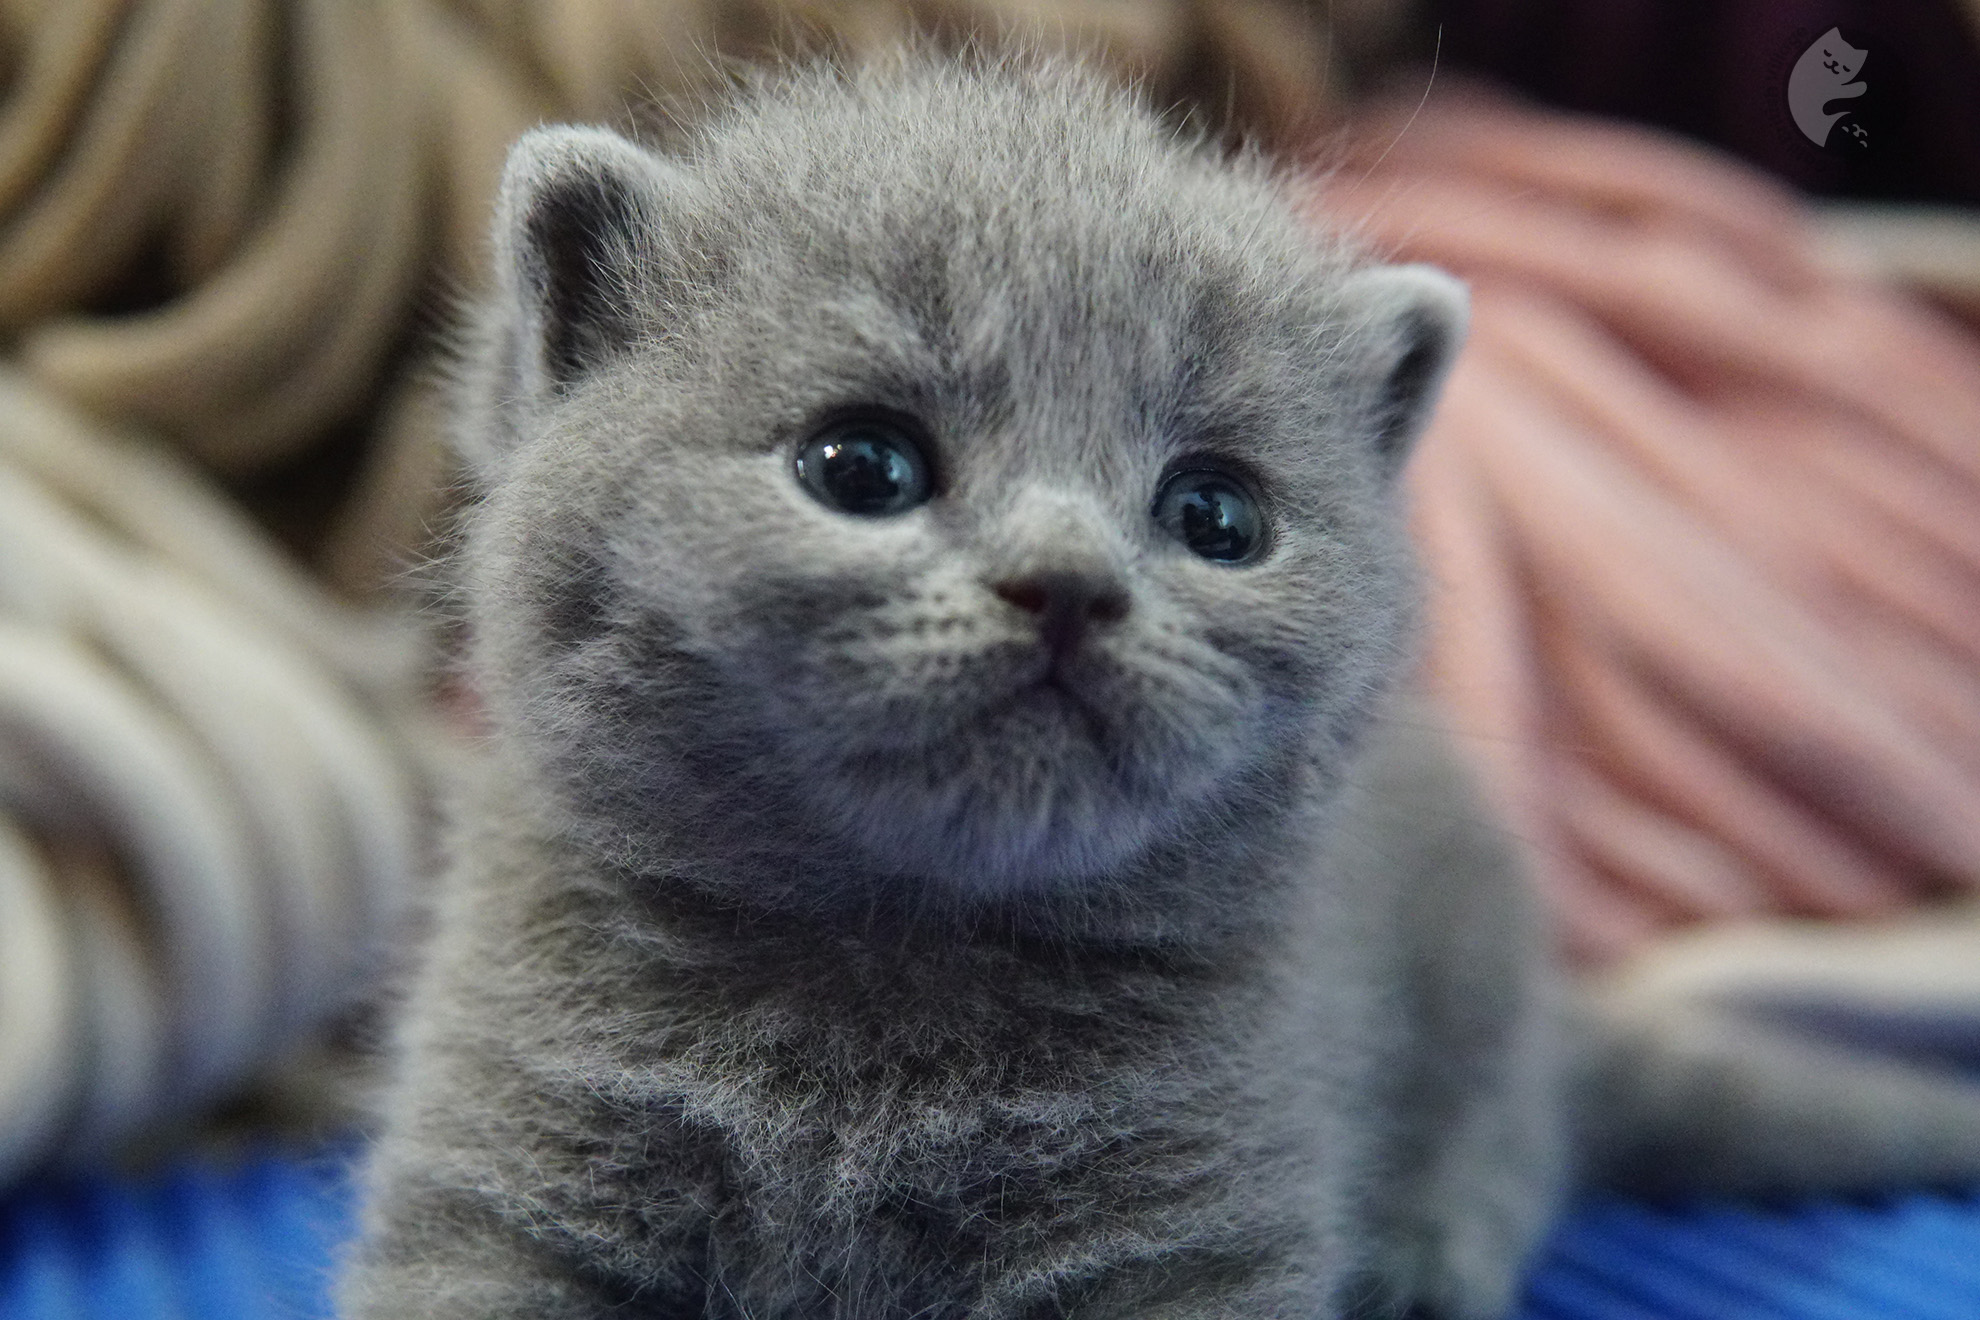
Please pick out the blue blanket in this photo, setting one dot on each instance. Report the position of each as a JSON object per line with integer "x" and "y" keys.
{"x": 256, "y": 1238}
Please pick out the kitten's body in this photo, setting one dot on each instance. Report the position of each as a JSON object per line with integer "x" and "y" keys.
{"x": 668, "y": 1103}
{"x": 705, "y": 1112}
{"x": 993, "y": 909}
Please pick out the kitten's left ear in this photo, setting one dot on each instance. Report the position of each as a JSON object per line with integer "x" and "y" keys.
{"x": 575, "y": 209}
{"x": 1407, "y": 324}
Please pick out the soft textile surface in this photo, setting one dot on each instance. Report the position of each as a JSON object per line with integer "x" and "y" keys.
{"x": 256, "y": 1240}
{"x": 1702, "y": 516}
{"x": 209, "y": 789}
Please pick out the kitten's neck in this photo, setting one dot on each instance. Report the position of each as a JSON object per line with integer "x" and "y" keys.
{"x": 1207, "y": 895}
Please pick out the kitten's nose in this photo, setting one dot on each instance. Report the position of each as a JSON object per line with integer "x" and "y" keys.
{"x": 1066, "y": 603}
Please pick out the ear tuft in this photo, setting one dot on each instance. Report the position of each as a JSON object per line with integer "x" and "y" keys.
{"x": 569, "y": 219}
{"x": 1409, "y": 322}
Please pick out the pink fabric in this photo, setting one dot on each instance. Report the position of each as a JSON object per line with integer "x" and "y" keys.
{"x": 1702, "y": 517}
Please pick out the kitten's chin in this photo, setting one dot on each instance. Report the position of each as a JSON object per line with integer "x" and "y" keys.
{"x": 1047, "y": 792}
{"x": 991, "y": 853}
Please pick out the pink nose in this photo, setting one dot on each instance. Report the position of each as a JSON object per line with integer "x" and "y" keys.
{"x": 1066, "y": 604}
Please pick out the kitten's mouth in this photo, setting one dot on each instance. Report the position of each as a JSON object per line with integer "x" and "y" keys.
{"x": 1054, "y": 692}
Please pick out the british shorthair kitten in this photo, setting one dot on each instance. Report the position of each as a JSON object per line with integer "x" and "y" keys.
{"x": 948, "y": 843}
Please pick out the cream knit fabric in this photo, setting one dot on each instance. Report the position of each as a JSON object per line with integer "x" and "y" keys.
{"x": 208, "y": 791}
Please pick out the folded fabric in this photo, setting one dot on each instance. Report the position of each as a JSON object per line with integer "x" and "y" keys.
{"x": 211, "y": 780}
{"x": 1906, "y": 990}
{"x": 257, "y": 1237}
{"x": 1701, "y": 510}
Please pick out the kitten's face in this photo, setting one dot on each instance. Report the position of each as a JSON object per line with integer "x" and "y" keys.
{"x": 990, "y": 542}
{"x": 1831, "y": 62}
{"x": 1840, "y": 58}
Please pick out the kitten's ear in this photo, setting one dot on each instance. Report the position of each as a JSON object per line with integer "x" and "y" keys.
{"x": 1409, "y": 323}
{"x": 573, "y": 206}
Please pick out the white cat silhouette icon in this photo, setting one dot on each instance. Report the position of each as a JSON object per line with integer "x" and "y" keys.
{"x": 1822, "y": 75}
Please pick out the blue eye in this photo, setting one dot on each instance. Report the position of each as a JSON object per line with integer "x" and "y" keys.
{"x": 1212, "y": 514}
{"x": 870, "y": 468}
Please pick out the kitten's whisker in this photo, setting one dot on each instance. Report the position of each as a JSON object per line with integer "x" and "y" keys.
{"x": 1436, "y": 56}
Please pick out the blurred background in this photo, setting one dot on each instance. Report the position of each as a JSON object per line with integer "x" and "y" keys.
{"x": 1701, "y": 513}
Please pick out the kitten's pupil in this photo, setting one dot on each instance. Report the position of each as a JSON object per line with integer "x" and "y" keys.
{"x": 869, "y": 468}
{"x": 1211, "y": 514}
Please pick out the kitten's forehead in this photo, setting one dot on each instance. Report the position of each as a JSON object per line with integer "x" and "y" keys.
{"x": 1037, "y": 229}
{"x": 936, "y": 181}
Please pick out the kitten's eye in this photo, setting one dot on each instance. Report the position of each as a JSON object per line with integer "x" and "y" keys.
{"x": 1211, "y": 514}
{"x": 868, "y": 467}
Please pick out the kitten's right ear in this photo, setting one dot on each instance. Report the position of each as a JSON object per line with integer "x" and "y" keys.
{"x": 569, "y": 220}
{"x": 1408, "y": 323}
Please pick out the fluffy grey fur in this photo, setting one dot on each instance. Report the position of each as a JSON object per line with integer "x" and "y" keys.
{"x": 993, "y": 909}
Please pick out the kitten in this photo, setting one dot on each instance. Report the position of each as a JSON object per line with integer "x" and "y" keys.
{"x": 948, "y": 844}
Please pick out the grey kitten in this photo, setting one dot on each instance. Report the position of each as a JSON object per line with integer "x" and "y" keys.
{"x": 948, "y": 845}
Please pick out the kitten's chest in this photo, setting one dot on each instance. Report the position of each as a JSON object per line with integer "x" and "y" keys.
{"x": 844, "y": 1100}
{"x": 882, "y": 1150}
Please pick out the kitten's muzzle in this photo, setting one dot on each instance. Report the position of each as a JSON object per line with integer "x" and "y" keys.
{"x": 1066, "y": 604}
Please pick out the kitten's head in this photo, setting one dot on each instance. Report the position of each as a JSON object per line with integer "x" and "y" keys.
{"x": 1839, "y": 57}
{"x": 945, "y": 475}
